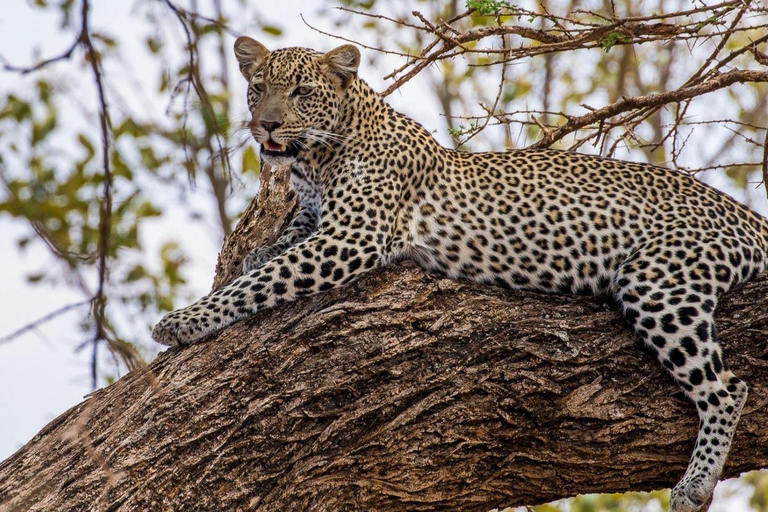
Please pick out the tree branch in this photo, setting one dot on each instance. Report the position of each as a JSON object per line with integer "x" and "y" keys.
{"x": 405, "y": 390}
{"x": 651, "y": 100}
{"x": 105, "y": 211}
{"x": 567, "y": 34}
{"x": 764, "y": 165}
{"x": 65, "y": 55}
{"x": 40, "y": 321}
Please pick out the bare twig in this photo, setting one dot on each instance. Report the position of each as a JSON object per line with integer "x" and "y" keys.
{"x": 40, "y": 65}
{"x": 567, "y": 34}
{"x": 499, "y": 92}
{"x": 193, "y": 80}
{"x": 42, "y": 320}
{"x": 354, "y": 41}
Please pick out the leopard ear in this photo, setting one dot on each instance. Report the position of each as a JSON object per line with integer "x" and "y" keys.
{"x": 343, "y": 62}
{"x": 250, "y": 54}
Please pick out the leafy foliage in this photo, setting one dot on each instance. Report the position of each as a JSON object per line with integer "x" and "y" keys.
{"x": 487, "y": 7}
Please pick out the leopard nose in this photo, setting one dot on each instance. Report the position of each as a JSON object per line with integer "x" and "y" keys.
{"x": 271, "y": 125}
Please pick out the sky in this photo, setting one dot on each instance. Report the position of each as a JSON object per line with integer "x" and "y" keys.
{"x": 41, "y": 373}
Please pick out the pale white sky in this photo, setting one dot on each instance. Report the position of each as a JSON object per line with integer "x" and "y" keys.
{"x": 40, "y": 373}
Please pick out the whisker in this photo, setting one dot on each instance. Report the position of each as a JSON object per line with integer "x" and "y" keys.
{"x": 327, "y": 138}
{"x": 317, "y": 139}
{"x": 330, "y": 135}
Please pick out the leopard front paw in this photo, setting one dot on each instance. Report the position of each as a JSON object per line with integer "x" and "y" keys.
{"x": 178, "y": 328}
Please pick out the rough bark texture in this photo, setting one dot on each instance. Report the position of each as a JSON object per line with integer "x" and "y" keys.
{"x": 405, "y": 391}
{"x": 261, "y": 223}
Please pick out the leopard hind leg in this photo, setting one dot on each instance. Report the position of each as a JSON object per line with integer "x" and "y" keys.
{"x": 670, "y": 306}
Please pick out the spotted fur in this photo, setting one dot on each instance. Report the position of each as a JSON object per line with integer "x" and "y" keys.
{"x": 374, "y": 187}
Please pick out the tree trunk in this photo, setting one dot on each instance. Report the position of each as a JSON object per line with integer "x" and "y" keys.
{"x": 404, "y": 391}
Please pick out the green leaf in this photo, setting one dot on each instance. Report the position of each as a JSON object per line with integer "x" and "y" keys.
{"x": 41, "y": 130}
{"x": 86, "y": 144}
{"x": 44, "y": 91}
{"x": 251, "y": 163}
{"x": 211, "y": 28}
{"x": 154, "y": 45}
{"x": 488, "y": 7}
{"x": 108, "y": 41}
{"x": 269, "y": 29}
{"x": 119, "y": 167}
{"x": 36, "y": 277}
{"x": 16, "y": 109}
{"x": 136, "y": 273}
{"x": 147, "y": 209}
{"x": 613, "y": 39}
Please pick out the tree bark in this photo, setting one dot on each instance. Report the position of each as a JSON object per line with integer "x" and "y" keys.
{"x": 404, "y": 391}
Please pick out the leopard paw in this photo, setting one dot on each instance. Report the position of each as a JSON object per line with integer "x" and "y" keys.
{"x": 692, "y": 495}
{"x": 177, "y": 328}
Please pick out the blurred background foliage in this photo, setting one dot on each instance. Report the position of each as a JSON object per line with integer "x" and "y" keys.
{"x": 748, "y": 493}
{"x": 178, "y": 138}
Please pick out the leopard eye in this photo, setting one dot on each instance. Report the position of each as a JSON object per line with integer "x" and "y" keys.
{"x": 304, "y": 90}
{"x": 258, "y": 87}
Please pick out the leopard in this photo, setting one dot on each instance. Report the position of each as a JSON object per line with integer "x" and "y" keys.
{"x": 374, "y": 187}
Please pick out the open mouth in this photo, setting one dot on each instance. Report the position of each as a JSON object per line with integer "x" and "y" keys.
{"x": 272, "y": 148}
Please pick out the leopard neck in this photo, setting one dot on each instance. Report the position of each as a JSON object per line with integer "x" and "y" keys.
{"x": 360, "y": 97}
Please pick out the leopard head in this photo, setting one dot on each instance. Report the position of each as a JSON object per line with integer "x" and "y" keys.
{"x": 294, "y": 94}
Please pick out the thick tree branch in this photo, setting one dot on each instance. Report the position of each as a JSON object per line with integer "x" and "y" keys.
{"x": 404, "y": 391}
